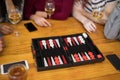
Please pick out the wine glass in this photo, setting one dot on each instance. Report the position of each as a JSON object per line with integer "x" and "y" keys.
{"x": 97, "y": 12}
{"x": 14, "y": 17}
{"x": 14, "y": 12}
{"x": 49, "y": 7}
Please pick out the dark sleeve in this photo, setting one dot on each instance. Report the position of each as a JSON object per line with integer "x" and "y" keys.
{"x": 3, "y": 11}
{"x": 19, "y": 4}
{"x": 66, "y": 10}
{"x": 28, "y": 8}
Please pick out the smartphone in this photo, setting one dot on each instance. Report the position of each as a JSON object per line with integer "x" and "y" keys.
{"x": 30, "y": 27}
{"x": 5, "y": 67}
{"x": 114, "y": 60}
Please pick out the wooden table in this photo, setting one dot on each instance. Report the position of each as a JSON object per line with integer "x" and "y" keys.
{"x": 19, "y": 48}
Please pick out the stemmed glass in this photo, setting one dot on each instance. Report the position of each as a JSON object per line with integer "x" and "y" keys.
{"x": 14, "y": 12}
{"x": 97, "y": 12}
{"x": 49, "y": 7}
{"x": 15, "y": 16}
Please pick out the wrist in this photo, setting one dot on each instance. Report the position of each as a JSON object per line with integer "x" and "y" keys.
{"x": 85, "y": 21}
{"x": 41, "y": 14}
{"x": 33, "y": 17}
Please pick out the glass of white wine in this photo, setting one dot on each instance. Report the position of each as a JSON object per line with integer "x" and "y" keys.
{"x": 97, "y": 12}
{"x": 14, "y": 16}
{"x": 49, "y": 7}
{"x": 14, "y": 12}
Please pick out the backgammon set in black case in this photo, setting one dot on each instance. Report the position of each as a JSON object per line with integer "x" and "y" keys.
{"x": 65, "y": 51}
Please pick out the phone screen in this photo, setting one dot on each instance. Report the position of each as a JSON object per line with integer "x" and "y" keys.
{"x": 30, "y": 27}
{"x": 5, "y": 67}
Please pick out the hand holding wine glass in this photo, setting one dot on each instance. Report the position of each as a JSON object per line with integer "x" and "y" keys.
{"x": 49, "y": 7}
{"x": 14, "y": 13}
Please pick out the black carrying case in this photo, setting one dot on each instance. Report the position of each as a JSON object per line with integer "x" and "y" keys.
{"x": 65, "y": 51}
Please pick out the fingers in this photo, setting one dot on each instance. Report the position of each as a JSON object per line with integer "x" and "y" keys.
{"x": 88, "y": 29}
{"x": 5, "y": 29}
{"x": 9, "y": 28}
{"x": 90, "y": 26}
{"x": 42, "y": 22}
{"x": 45, "y": 23}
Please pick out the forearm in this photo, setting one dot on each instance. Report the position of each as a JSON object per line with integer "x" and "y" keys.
{"x": 91, "y": 17}
{"x": 87, "y": 23}
{"x": 80, "y": 17}
{"x": 9, "y": 5}
{"x": 41, "y": 14}
{"x": 105, "y": 14}
{"x": 33, "y": 17}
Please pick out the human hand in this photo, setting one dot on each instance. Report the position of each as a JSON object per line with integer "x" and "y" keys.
{"x": 6, "y": 29}
{"x": 40, "y": 20}
{"x": 89, "y": 26}
{"x": 41, "y": 14}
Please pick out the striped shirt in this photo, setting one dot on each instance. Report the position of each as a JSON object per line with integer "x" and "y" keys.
{"x": 96, "y": 5}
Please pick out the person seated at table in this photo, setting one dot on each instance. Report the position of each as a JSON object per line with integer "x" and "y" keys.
{"x": 112, "y": 26}
{"x": 5, "y": 28}
{"x": 90, "y": 11}
{"x": 5, "y": 5}
{"x": 35, "y": 10}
